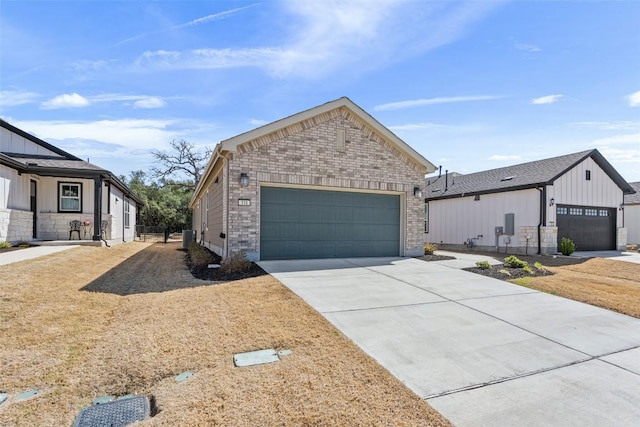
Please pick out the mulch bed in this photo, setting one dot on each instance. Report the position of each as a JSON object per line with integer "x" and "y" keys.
{"x": 203, "y": 272}
{"x": 434, "y": 257}
{"x": 503, "y": 272}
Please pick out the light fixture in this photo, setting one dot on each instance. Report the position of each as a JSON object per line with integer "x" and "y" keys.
{"x": 417, "y": 192}
{"x": 244, "y": 180}
{"x": 621, "y": 208}
{"x": 552, "y": 202}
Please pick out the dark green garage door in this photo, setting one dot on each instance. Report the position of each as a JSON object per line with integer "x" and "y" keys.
{"x": 590, "y": 228}
{"x": 297, "y": 223}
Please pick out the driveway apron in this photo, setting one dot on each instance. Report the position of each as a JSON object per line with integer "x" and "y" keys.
{"x": 480, "y": 350}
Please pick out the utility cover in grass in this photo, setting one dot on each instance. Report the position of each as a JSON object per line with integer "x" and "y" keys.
{"x": 258, "y": 357}
{"x": 3, "y": 397}
{"x": 183, "y": 376}
{"x": 27, "y": 394}
{"x": 118, "y": 413}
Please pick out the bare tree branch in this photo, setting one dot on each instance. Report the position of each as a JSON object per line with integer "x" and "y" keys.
{"x": 183, "y": 160}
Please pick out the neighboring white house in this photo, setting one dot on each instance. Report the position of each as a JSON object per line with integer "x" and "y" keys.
{"x": 327, "y": 182}
{"x": 43, "y": 189}
{"x": 632, "y": 215}
{"x": 528, "y": 208}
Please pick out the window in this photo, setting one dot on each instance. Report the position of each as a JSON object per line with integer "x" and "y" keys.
{"x": 69, "y": 197}
{"x": 591, "y": 212}
{"x": 603, "y": 212}
{"x": 426, "y": 217}
{"x": 588, "y": 175}
{"x": 127, "y": 213}
{"x": 561, "y": 211}
{"x": 575, "y": 211}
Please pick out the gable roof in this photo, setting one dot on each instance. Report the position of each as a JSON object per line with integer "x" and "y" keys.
{"x": 518, "y": 177}
{"x": 63, "y": 165}
{"x": 633, "y": 199}
{"x": 232, "y": 144}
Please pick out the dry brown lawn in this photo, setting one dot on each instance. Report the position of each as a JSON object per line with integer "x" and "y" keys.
{"x": 610, "y": 284}
{"x": 95, "y": 321}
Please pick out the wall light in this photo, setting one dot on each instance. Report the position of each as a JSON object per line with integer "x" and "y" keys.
{"x": 552, "y": 202}
{"x": 244, "y": 180}
{"x": 621, "y": 208}
{"x": 417, "y": 193}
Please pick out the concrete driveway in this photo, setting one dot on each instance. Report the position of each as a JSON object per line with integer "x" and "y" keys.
{"x": 481, "y": 351}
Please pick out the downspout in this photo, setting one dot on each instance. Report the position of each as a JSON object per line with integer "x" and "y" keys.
{"x": 543, "y": 215}
{"x": 97, "y": 208}
{"x": 226, "y": 199}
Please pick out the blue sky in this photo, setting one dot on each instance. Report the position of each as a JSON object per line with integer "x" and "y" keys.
{"x": 470, "y": 85}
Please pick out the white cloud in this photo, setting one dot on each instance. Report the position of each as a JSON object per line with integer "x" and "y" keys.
{"x": 133, "y": 133}
{"x": 527, "y": 47}
{"x": 72, "y": 100}
{"x": 198, "y": 21}
{"x": 257, "y": 122}
{"x": 501, "y": 157}
{"x": 399, "y": 105}
{"x": 634, "y": 99}
{"x": 10, "y": 98}
{"x": 631, "y": 139}
{"x": 418, "y": 126}
{"x": 549, "y": 99}
{"x": 614, "y": 125}
{"x": 150, "y": 103}
{"x": 333, "y": 35}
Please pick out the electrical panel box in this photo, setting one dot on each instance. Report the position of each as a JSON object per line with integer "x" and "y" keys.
{"x": 499, "y": 230}
{"x": 509, "y": 224}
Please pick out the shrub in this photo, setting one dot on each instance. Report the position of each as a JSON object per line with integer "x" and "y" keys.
{"x": 514, "y": 262}
{"x": 5, "y": 245}
{"x": 566, "y": 246}
{"x": 235, "y": 263}
{"x": 483, "y": 265}
{"x": 527, "y": 269}
{"x": 199, "y": 254}
{"x": 539, "y": 266}
{"x": 23, "y": 245}
{"x": 430, "y": 248}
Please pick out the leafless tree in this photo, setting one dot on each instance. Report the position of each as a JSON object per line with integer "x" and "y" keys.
{"x": 182, "y": 160}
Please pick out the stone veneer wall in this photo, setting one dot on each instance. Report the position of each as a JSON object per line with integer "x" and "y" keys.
{"x": 307, "y": 154}
{"x": 16, "y": 225}
{"x": 55, "y": 226}
{"x": 621, "y": 239}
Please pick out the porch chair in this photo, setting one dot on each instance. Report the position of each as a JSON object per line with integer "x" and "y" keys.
{"x": 74, "y": 227}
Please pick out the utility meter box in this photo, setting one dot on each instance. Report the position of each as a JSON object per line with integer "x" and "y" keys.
{"x": 499, "y": 230}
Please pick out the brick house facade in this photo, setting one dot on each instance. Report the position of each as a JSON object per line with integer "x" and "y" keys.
{"x": 335, "y": 147}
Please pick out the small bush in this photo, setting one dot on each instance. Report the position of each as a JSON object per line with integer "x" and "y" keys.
{"x": 430, "y": 248}
{"x": 483, "y": 265}
{"x": 527, "y": 269}
{"x": 514, "y": 262}
{"x": 199, "y": 254}
{"x": 566, "y": 246}
{"x": 23, "y": 245}
{"x": 235, "y": 263}
{"x": 5, "y": 245}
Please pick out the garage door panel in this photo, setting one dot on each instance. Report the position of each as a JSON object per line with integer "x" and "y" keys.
{"x": 590, "y": 228}
{"x": 297, "y": 223}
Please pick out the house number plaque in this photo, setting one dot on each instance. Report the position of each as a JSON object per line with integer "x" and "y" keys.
{"x": 244, "y": 202}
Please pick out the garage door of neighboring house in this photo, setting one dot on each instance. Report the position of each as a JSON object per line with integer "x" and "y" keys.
{"x": 297, "y": 223}
{"x": 590, "y": 228}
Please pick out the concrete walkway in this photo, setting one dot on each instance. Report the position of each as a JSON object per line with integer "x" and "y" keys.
{"x": 482, "y": 351}
{"x": 613, "y": 255}
{"x": 31, "y": 253}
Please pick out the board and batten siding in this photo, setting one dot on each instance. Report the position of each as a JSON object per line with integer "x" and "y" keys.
{"x": 572, "y": 188}
{"x": 632, "y": 223}
{"x": 13, "y": 143}
{"x": 453, "y": 221}
{"x": 14, "y": 189}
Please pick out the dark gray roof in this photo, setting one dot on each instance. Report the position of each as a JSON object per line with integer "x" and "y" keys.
{"x": 517, "y": 177}
{"x": 55, "y": 163}
{"x": 633, "y": 199}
